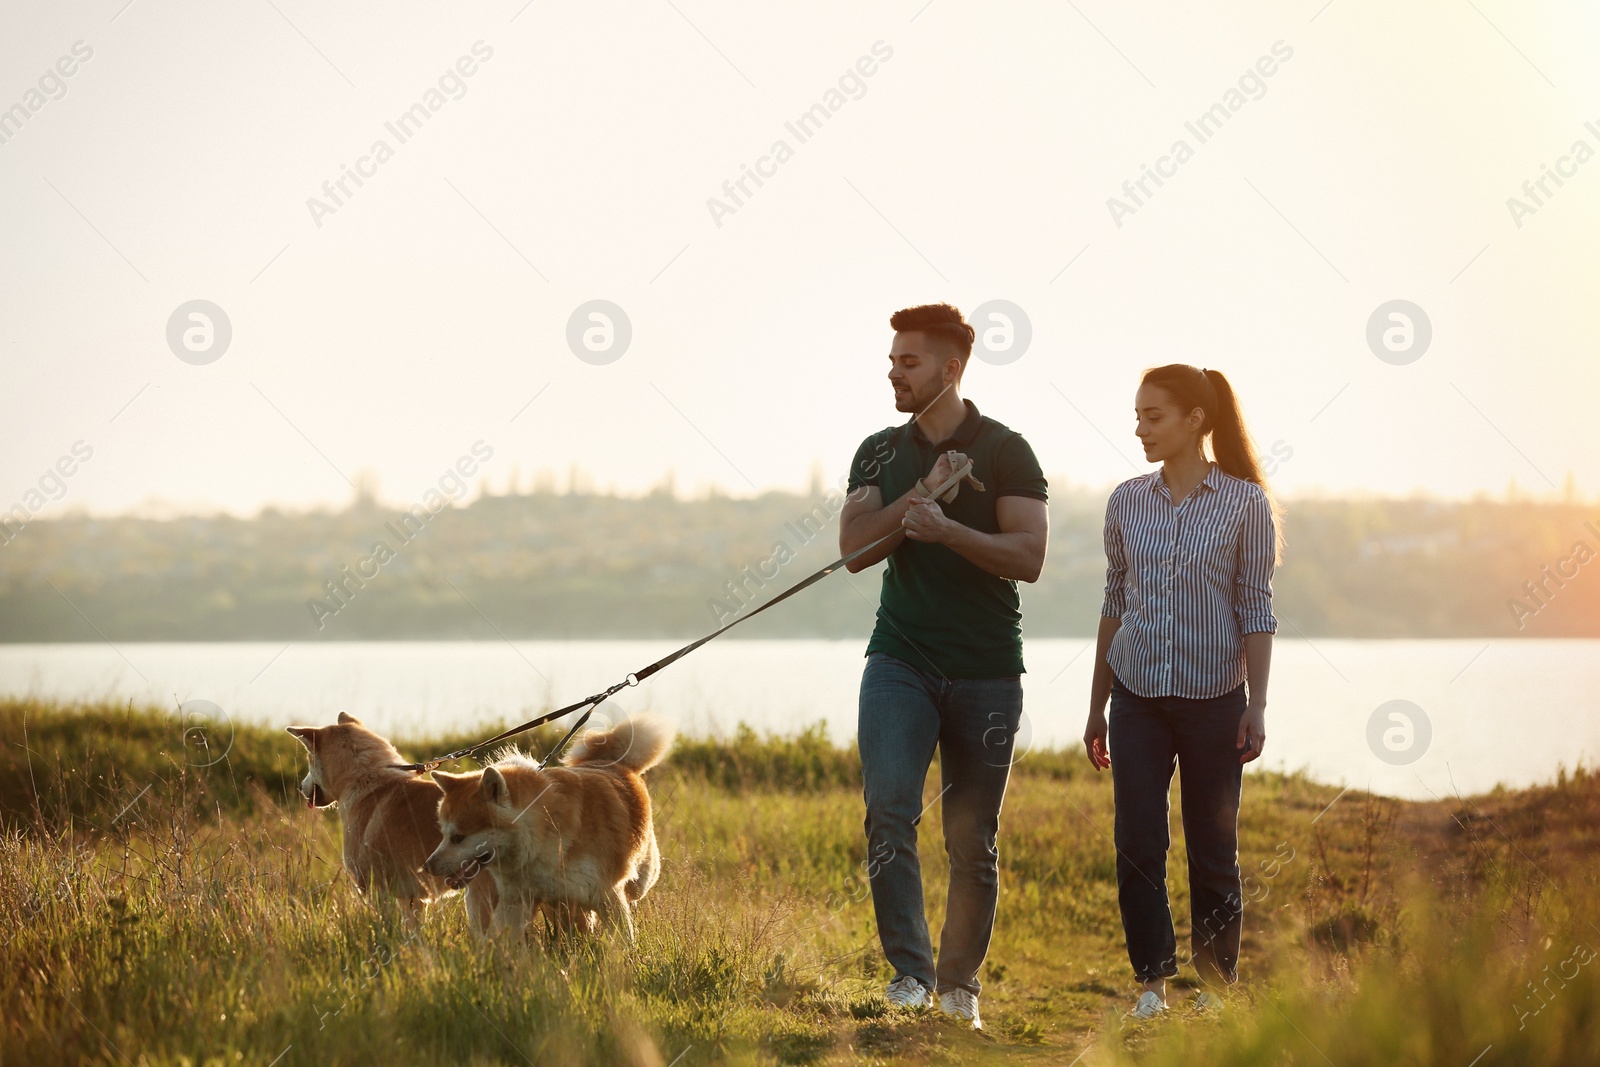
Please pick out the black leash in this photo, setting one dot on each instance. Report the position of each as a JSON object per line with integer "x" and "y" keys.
{"x": 638, "y": 676}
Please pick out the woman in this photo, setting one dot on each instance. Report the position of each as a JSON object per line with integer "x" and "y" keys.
{"x": 1187, "y": 622}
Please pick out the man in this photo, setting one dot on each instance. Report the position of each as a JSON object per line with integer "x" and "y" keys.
{"x": 944, "y": 666}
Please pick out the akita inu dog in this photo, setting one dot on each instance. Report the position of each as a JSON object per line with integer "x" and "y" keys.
{"x": 390, "y": 816}
{"x": 573, "y": 839}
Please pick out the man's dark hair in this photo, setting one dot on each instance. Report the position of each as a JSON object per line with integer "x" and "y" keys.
{"x": 939, "y": 320}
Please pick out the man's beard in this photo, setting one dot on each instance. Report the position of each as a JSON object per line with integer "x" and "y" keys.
{"x": 910, "y": 401}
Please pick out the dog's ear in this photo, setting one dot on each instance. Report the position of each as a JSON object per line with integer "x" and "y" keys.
{"x": 495, "y": 790}
{"x": 345, "y": 716}
{"x": 307, "y": 735}
{"x": 451, "y": 782}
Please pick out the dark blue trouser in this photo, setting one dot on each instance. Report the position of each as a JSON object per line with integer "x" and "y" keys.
{"x": 1147, "y": 737}
{"x": 905, "y": 712}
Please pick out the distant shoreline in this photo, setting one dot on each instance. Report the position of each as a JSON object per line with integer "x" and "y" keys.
{"x": 545, "y": 567}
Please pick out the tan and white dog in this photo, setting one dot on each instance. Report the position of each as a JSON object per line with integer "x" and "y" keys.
{"x": 576, "y": 839}
{"x": 390, "y": 816}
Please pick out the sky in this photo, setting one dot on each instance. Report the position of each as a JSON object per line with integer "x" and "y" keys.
{"x": 1343, "y": 239}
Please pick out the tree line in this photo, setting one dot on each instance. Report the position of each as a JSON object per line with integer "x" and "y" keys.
{"x": 586, "y": 565}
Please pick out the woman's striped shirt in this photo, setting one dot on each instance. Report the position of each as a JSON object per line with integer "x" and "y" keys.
{"x": 1188, "y": 582}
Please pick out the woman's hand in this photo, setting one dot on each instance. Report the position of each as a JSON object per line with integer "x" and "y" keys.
{"x": 1252, "y": 732}
{"x": 1094, "y": 740}
{"x": 1257, "y": 666}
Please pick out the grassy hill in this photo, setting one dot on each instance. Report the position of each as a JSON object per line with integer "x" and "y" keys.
{"x": 166, "y": 899}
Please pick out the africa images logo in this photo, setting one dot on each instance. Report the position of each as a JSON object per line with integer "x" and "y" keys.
{"x": 803, "y": 128}
{"x": 337, "y": 191}
{"x": 1202, "y": 128}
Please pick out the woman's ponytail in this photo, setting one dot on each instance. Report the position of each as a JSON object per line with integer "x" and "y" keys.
{"x": 1230, "y": 441}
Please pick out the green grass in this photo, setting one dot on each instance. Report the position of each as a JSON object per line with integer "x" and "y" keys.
{"x": 162, "y": 905}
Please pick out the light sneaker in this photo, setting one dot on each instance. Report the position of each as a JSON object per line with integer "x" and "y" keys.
{"x": 1207, "y": 1001}
{"x": 963, "y": 1004}
{"x": 1149, "y": 1006}
{"x": 907, "y": 992}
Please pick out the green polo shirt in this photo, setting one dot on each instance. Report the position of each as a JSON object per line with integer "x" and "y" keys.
{"x": 938, "y": 610}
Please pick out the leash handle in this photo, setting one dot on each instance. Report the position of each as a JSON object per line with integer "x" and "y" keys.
{"x": 638, "y": 676}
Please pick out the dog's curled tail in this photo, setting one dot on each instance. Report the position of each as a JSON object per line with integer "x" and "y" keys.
{"x": 638, "y": 743}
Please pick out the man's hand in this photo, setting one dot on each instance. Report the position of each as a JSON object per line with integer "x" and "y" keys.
{"x": 947, "y": 464}
{"x": 926, "y": 521}
{"x": 1252, "y": 732}
{"x": 1094, "y": 740}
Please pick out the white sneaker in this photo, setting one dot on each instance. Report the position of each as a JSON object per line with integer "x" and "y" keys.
{"x": 1208, "y": 1001}
{"x": 1149, "y": 1006}
{"x": 963, "y": 1004}
{"x": 907, "y": 992}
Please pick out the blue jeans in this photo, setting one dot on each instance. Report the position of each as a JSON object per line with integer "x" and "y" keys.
{"x": 905, "y": 713}
{"x": 1147, "y": 738}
